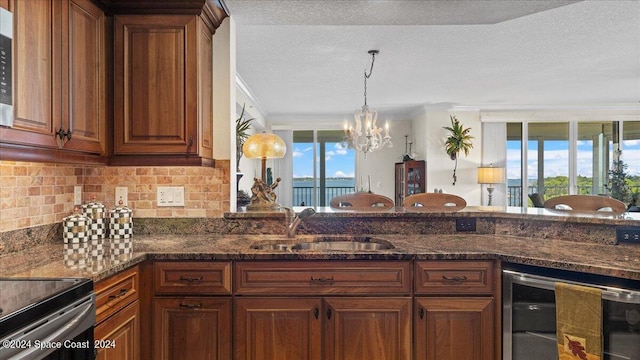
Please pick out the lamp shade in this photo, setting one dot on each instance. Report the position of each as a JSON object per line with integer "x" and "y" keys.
{"x": 264, "y": 146}
{"x": 490, "y": 175}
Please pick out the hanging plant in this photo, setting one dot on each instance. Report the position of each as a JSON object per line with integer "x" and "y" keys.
{"x": 242, "y": 134}
{"x": 458, "y": 141}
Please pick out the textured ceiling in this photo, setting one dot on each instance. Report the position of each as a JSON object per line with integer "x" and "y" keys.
{"x": 302, "y": 58}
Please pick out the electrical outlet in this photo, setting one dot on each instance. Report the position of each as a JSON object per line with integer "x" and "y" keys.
{"x": 466, "y": 224}
{"x": 170, "y": 195}
{"x": 628, "y": 234}
{"x": 122, "y": 193}
{"x": 77, "y": 195}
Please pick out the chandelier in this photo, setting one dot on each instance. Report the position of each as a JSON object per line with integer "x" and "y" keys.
{"x": 366, "y": 136}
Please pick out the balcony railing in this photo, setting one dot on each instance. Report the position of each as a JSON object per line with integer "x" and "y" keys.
{"x": 514, "y": 193}
{"x": 303, "y": 195}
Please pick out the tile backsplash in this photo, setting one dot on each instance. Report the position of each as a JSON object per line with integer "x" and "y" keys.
{"x": 35, "y": 194}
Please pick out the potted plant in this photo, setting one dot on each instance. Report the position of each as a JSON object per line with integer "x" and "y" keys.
{"x": 242, "y": 128}
{"x": 457, "y": 142}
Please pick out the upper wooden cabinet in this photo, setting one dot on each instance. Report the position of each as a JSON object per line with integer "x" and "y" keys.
{"x": 163, "y": 90}
{"x": 59, "y": 66}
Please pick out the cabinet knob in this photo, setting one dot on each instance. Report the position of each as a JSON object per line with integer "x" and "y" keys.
{"x": 421, "y": 313}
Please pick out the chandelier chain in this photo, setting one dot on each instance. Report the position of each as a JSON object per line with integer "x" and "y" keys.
{"x": 373, "y": 59}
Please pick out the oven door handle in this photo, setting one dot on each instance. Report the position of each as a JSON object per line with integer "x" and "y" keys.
{"x": 549, "y": 283}
{"x": 66, "y": 330}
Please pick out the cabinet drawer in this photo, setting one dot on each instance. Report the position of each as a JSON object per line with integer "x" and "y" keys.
{"x": 192, "y": 277}
{"x": 116, "y": 292}
{"x": 323, "y": 277}
{"x": 454, "y": 277}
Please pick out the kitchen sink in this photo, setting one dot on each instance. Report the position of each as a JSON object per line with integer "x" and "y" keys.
{"x": 325, "y": 243}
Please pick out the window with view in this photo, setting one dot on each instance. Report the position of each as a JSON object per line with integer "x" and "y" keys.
{"x": 322, "y": 167}
{"x": 591, "y": 151}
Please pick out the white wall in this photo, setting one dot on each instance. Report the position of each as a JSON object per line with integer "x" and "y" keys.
{"x": 429, "y": 144}
{"x": 249, "y": 167}
{"x": 224, "y": 98}
{"x": 380, "y": 165}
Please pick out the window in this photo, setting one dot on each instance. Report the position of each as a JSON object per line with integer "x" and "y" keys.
{"x": 514, "y": 164}
{"x": 322, "y": 167}
{"x": 570, "y": 158}
{"x": 594, "y": 156}
{"x": 631, "y": 156}
{"x": 548, "y": 159}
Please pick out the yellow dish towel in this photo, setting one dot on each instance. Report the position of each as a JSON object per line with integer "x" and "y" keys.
{"x": 579, "y": 322}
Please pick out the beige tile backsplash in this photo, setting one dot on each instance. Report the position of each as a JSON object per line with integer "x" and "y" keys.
{"x": 34, "y": 194}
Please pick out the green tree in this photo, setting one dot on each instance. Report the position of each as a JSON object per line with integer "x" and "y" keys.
{"x": 618, "y": 182}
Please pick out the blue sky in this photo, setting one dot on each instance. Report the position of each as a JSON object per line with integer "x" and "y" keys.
{"x": 340, "y": 162}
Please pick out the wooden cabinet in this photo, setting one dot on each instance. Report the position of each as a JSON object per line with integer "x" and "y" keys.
{"x": 187, "y": 324}
{"x": 410, "y": 179}
{"x": 59, "y": 77}
{"x": 454, "y": 328}
{"x": 118, "y": 316}
{"x": 278, "y": 328}
{"x": 163, "y": 90}
{"x": 368, "y": 328}
{"x": 372, "y": 322}
{"x": 454, "y": 311}
{"x": 322, "y": 277}
{"x": 119, "y": 335}
{"x": 192, "y": 328}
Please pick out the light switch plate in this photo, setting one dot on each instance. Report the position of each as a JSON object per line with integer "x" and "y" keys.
{"x": 122, "y": 193}
{"x": 170, "y": 195}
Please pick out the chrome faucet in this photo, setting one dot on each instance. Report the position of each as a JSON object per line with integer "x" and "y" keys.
{"x": 294, "y": 221}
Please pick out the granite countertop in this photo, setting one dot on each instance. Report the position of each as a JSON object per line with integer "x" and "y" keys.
{"x": 508, "y": 212}
{"x": 56, "y": 260}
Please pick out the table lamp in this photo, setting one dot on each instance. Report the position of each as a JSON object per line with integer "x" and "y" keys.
{"x": 490, "y": 175}
{"x": 263, "y": 146}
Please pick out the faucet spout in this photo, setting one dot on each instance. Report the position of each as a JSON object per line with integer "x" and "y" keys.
{"x": 294, "y": 221}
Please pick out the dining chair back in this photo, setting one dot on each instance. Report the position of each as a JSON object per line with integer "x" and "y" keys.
{"x": 586, "y": 203}
{"x": 433, "y": 202}
{"x": 361, "y": 201}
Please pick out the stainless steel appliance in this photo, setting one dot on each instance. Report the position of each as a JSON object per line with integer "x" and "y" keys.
{"x": 529, "y": 313}
{"x": 47, "y": 319}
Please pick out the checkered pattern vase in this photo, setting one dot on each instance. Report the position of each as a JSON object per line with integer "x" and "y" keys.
{"x": 120, "y": 223}
{"x": 75, "y": 229}
{"x": 96, "y": 254}
{"x": 75, "y": 254}
{"x": 98, "y": 226}
{"x": 121, "y": 250}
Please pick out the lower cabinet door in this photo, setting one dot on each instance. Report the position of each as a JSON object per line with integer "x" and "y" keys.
{"x": 368, "y": 328}
{"x": 118, "y": 337}
{"x": 454, "y": 328}
{"x": 192, "y": 328}
{"x": 278, "y": 328}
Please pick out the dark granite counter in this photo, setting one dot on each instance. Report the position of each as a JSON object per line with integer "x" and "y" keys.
{"x": 49, "y": 260}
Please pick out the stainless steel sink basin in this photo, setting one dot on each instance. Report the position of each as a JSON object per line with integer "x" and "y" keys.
{"x": 328, "y": 243}
{"x": 280, "y": 247}
{"x": 343, "y": 245}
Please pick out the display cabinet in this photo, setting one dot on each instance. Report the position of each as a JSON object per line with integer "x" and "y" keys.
{"x": 410, "y": 179}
